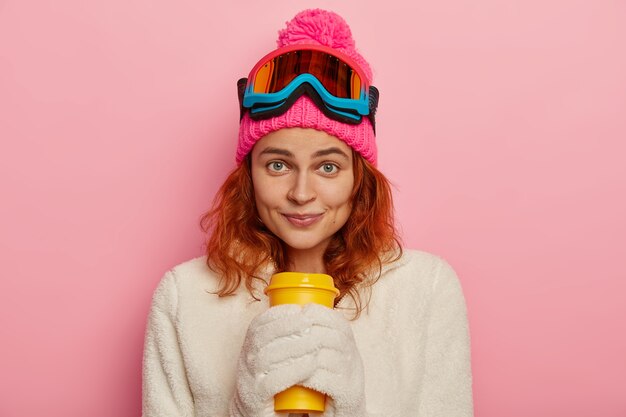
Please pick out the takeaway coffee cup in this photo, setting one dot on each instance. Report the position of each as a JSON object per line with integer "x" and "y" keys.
{"x": 300, "y": 288}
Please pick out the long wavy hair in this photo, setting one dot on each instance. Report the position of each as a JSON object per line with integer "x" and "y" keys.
{"x": 239, "y": 246}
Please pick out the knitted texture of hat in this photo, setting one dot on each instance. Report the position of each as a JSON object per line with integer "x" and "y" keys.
{"x": 321, "y": 27}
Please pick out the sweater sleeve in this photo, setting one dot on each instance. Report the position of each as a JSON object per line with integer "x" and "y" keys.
{"x": 447, "y": 388}
{"x": 166, "y": 391}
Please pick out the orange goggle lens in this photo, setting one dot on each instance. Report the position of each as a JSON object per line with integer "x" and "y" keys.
{"x": 339, "y": 78}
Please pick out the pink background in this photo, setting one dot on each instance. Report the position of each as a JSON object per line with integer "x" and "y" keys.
{"x": 501, "y": 124}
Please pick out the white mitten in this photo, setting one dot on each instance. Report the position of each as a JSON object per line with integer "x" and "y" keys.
{"x": 338, "y": 369}
{"x": 279, "y": 351}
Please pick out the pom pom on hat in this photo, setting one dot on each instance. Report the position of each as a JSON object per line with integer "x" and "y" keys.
{"x": 322, "y": 27}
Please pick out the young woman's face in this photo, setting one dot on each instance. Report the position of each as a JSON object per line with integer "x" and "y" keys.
{"x": 303, "y": 180}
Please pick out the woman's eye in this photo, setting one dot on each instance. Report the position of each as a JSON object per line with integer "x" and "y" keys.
{"x": 276, "y": 166}
{"x": 329, "y": 168}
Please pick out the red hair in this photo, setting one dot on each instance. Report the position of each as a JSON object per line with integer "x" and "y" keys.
{"x": 239, "y": 245}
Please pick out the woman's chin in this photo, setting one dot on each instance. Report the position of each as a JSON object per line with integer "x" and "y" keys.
{"x": 304, "y": 244}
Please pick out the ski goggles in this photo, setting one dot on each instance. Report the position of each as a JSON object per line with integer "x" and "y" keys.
{"x": 334, "y": 82}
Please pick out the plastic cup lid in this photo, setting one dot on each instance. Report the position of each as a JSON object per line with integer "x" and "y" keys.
{"x": 301, "y": 280}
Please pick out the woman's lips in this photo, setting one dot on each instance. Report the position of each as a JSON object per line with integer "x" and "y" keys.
{"x": 302, "y": 220}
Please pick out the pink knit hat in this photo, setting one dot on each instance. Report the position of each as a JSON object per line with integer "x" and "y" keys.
{"x": 321, "y": 27}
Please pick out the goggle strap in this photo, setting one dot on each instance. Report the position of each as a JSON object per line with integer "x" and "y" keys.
{"x": 241, "y": 90}
{"x": 373, "y": 99}
{"x": 373, "y": 103}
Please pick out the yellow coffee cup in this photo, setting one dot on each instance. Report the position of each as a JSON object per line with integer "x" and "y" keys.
{"x": 300, "y": 288}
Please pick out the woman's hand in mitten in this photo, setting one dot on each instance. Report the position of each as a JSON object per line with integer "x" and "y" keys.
{"x": 339, "y": 368}
{"x": 278, "y": 352}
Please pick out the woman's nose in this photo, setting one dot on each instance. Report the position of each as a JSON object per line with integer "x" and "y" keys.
{"x": 302, "y": 190}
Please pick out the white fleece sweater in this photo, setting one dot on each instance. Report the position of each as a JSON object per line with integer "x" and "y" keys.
{"x": 413, "y": 338}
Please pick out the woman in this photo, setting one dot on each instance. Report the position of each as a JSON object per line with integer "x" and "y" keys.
{"x": 306, "y": 196}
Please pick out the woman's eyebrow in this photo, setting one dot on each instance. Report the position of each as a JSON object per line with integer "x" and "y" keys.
{"x": 330, "y": 151}
{"x": 276, "y": 151}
